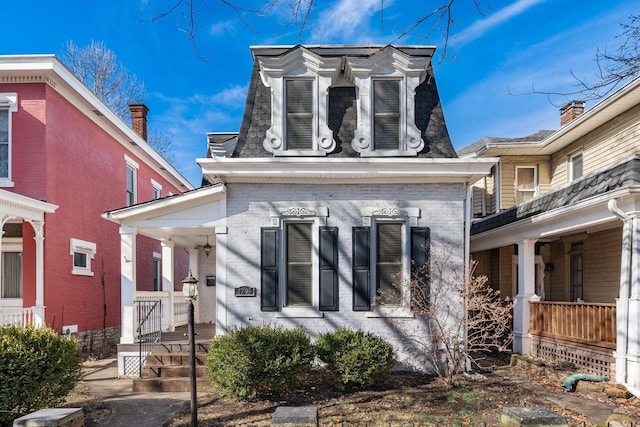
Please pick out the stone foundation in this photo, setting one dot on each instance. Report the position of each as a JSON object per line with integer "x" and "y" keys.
{"x": 98, "y": 343}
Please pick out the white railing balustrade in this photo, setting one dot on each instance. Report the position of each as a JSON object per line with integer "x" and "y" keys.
{"x": 20, "y": 316}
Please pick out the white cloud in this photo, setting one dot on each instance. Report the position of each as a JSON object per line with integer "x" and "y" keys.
{"x": 345, "y": 21}
{"x": 223, "y": 28}
{"x": 481, "y": 27}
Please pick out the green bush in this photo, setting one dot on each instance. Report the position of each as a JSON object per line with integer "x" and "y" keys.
{"x": 256, "y": 361}
{"x": 38, "y": 368}
{"x": 354, "y": 358}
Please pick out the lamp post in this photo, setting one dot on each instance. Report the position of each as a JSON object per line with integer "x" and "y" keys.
{"x": 190, "y": 293}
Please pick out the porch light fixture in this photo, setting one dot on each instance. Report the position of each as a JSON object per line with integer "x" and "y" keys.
{"x": 207, "y": 248}
{"x": 190, "y": 293}
{"x": 190, "y": 288}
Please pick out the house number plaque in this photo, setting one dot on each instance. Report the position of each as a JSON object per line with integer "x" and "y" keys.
{"x": 245, "y": 291}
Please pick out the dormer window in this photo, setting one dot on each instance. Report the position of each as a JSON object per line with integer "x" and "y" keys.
{"x": 386, "y": 114}
{"x": 386, "y": 84}
{"x": 299, "y": 83}
{"x": 299, "y": 119}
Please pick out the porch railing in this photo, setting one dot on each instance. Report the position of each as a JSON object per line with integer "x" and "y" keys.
{"x": 174, "y": 307}
{"x": 149, "y": 330}
{"x": 585, "y": 323}
{"x": 19, "y": 316}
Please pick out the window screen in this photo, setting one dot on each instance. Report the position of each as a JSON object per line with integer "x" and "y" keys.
{"x": 576, "y": 166}
{"x": 299, "y": 108}
{"x": 299, "y": 250}
{"x": 12, "y": 275}
{"x": 389, "y": 263}
{"x": 131, "y": 186}
{"x": 386, "y": 119}
{"x": 80, "y": 259}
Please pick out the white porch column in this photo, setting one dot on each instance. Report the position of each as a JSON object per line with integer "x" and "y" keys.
{"x": 38, "y": 227}
{"x": 632, "y": 227}
{"x": 221, "y": 280}
{"x": 127, "y": 283}
{"x": 3, "y": 220}
{"x": 167, "y": 265}
{"x": 526, "y": 290}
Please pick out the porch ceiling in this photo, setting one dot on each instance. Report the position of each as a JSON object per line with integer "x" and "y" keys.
{"x": 186, "y": 219}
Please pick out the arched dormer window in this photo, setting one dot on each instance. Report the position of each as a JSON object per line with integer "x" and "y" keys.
{"x": 299, "y": 81}
{"x": 386, "y": 83}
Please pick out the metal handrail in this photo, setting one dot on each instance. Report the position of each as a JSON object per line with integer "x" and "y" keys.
{"x": 149, "y": 329}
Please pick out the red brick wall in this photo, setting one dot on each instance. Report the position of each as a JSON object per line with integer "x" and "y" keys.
{"x": 62, "y": 157}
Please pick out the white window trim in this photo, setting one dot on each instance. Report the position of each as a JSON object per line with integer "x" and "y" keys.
{"x": 298, "y": 64}
{"x": 12, "y": 244}
{"x": 389, "y": 63}
{"x": 83, "y": 247}
{"x": 134, "y": 166}
{"x": 570, "y": 164}
{"x": 535, "y": 180}
{"x": 9, "y": 100}
{"x": 157, "y": 256}
{"x": 156, "y": 186}
{"x": 318, "y": 218}
{"x": 409, "y": 218}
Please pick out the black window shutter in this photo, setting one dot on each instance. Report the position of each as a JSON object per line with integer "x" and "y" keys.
{"x": 361, "y": 269}
{"x": 420, "y": 240}
{"x": 269, "y": 241}
{"x": 420, "y": 272}
{"x": 329, "y": 269}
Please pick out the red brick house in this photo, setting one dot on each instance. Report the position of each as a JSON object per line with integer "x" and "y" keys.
{"x": 65, "y": 158}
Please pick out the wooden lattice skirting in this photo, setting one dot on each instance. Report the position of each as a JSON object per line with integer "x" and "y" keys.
{"x": 588, "y": 359}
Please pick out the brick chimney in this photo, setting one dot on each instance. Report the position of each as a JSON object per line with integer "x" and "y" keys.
{"x": 571, "y": 111}
{"x": 139, "y": 119}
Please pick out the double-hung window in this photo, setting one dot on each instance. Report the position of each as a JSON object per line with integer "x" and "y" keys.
{"x": 385, "y": 257}
{"x": 299, "y": 114}
{"x": 299, "y": 267}
{"x": 299, "y": 270}
{"x": 131, "y": 181}
{"x": 526, "y": 181}
{"x": 575, "y": 166}
{"x": 386, "y": 114}
{"x": 576, "y": 260}
{"x": 8, "y": 105}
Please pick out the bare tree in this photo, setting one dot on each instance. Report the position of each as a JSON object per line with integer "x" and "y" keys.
{"x": 614, "y": 68}
{"x": 99, "y": 68}
{"x": 431, "y": 19}
{"x": 456, "y": 339}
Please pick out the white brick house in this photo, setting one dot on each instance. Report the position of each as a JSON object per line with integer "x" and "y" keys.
{"x": 341, "y": 173}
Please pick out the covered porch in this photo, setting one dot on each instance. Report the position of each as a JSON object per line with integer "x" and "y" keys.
{"x": 22, "y": 262}
{"x": 571, "y": 261}
{"x": 194, "y": 221}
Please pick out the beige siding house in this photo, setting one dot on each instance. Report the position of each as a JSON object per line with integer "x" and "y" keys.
{"x": 559, "y": 233}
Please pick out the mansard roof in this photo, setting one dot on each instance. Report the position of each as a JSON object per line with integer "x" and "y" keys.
{"x": 342, "y": 114}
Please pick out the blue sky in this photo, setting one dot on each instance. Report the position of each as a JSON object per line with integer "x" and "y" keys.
{"x": 498, "y": 56}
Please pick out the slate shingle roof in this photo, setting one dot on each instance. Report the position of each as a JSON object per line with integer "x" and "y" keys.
{"x": 342, "y": 120}
{"x": 618, "y": 176}
{"x": 476, "y": 146}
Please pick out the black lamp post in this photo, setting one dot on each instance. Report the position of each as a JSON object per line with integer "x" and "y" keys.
{"x": 190, "y": 292}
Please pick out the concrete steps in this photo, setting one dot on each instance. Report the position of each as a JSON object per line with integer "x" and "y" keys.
{"x": 166, "y": 369}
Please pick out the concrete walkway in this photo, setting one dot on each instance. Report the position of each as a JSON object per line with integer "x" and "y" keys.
{"x": 129, "y": 408}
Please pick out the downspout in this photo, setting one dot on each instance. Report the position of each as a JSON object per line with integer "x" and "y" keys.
{"x": 467, "y": 261}
{"x": 623, "y": 300}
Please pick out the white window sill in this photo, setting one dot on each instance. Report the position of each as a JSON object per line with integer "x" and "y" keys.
{"x": 7, "y": 183}
{"x": 400, "y": 312}
{"x": 77, "y": 272}
{"x": 288, "y": 312}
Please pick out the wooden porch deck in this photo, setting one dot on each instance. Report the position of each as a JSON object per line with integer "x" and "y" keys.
{"x": 580, "y": 333}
